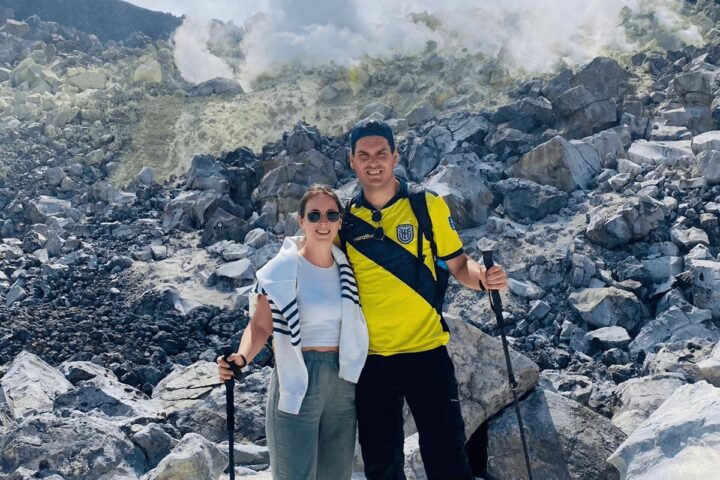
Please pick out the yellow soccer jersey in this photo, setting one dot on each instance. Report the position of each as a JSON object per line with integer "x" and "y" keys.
{"x": 397, "y": 292}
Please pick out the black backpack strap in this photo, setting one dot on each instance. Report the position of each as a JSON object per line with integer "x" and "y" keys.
{"x": 416, "y": 195}
{"x": 346, "y": 223}
{"x": 418, "y": 204}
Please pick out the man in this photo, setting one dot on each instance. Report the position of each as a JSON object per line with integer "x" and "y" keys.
{"x": 408, "y": 359}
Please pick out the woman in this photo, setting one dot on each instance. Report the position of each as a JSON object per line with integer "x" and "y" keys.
{"x": 307, "y": 298}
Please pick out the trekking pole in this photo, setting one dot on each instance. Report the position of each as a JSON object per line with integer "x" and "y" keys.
{"x": 230, "y": 408}
{"x": 496, "y": 306}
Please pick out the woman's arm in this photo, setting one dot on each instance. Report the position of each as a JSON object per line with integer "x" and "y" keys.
{"x": 253, "y": 338}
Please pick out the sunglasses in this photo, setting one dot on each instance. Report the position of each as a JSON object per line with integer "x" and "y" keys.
{"x": 379, "y": 232}
{"x": 314, "y": 216}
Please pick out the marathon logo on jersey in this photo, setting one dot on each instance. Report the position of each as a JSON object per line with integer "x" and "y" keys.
{"x": 405, "y": 233}
{"x": 452, "y": 223}
{"x": 367, "y": 236}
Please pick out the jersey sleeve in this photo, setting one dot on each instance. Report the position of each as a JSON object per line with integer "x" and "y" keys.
{"x": 447, "y": 238}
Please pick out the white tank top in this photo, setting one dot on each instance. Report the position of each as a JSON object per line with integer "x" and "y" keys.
{"x": 319, "y": 303}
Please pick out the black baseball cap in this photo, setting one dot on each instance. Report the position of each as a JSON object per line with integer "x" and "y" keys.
{"x": 370, "y": 128}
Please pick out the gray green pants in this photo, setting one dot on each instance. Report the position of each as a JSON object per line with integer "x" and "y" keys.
{"x": 319, "y": 442}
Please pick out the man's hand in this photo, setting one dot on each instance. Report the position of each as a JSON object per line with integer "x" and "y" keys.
{"x": 493, "y": 279}
{"x": 470, "y": 273}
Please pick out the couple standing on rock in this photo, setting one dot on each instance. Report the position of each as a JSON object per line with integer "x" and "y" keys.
{"x": 356, "y": 318}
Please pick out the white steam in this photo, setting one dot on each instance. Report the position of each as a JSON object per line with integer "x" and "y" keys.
{"x": 527, "y": 35}
{"x": 193, "y": 57}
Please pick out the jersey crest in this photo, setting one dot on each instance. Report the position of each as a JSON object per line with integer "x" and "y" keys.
{"x": 405, "y": 233}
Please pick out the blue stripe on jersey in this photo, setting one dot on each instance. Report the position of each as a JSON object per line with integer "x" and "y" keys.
{"x": 392, "y": 257}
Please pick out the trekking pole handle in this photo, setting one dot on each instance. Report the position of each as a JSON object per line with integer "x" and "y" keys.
{"x": 227, "y": 350}
{"x": 488, "y": 258}
{"x": 496, "y": 301}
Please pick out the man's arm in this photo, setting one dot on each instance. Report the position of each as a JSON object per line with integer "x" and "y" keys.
{"x": 470, "y": 273}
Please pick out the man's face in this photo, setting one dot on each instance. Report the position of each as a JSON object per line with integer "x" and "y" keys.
{"x": 374, "y": 163}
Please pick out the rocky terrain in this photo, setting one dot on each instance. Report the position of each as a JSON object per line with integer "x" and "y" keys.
{"x": 133, "y": 217}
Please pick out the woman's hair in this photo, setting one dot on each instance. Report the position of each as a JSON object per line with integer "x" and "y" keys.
{"x": 314, "y": 191}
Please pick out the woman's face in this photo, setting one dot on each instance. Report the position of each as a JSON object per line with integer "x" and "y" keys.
{"x": 322, "y": 231}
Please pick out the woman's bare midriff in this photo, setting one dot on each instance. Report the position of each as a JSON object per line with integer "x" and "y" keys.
{"x": 321, "y": 349}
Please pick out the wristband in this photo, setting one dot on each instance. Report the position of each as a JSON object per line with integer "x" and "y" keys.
{"x": 245, "y": 362}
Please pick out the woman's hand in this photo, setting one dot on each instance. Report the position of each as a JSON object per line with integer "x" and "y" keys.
{"x": 224, "y": 371}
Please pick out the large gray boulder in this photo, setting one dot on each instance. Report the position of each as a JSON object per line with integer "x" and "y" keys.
{"x": 383, "y": 109}
{"x": 302, "y": 138}
{"x": 248, "y": 453}
{"x": 196, "y": 399}
{"x": 238, "y": 271}
{"x": 527, "y": 199}
{"x": 608, "y": 307}
{"x": 16, "y": 293}
{"x": 707, "y": 166}
{"x": 525, "y": 114}
{"x": 680, "y": 439}
{"x": 14, "y": 27}
{"x": 28, "y": 75}
{"x": 30, "y": 385}
{"x": 215, "y": 86}
{"x": 695, "y": 83}
{"x": 193, "y": 209}
{"x": 583, "y": 270}
{"x": 194, "y": 458}
{"x": 483, "y": 385}
{"x": 106, "y": 397}
{"x": 659, "y": 153}
{"x": 709, "y": 367}
{"x": 610, "y": 144}
{"x": 606, "y": 338}
{"x": 588, "y": 101}
{"x": 604, "y": 77}
{"x": 548, "y": 274}
{"x": 284, "y": 184}
{"x": 78, "y": 447}
{"x": 661, "y": 269}
{"x": 562, "y": 164}
{"x": 223, "y": 225}
{"x": 585, "y": 112}
{"x": 473, "y": 128}
{"x": 481, "y": 374}
{"x": 427, "y": 152}
{"x": 77, "y": 371}
{"x": 706, "y": 142}
{"x": 617, "y": 224}
{"x": 505, "y": 140}
{"x": 419, "y": 113}
{"x": 206, "y": 173}
{"x": 86, "y": 79}
{"x": 639, "y": 397}
{"x": 186, "y": 385}
{"x": 682, "y": 122}
{"x": 155, "y": 443}
{"x": 567, "y": 440}
{"x": 465, "y": 192}
{"x": 682, "y": 356}
{"x": 688, "y": 238}
{"x": 683, "y": 322}
{"x": 706, "y": 285}
{"x": 41, "y": 208}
